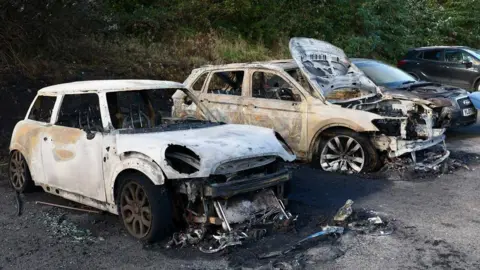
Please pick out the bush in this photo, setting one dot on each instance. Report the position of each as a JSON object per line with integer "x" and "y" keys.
{"x": 147, "y": 37}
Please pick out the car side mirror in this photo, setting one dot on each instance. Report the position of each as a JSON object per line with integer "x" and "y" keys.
{"x": 187, "y": 101}
{"x": 90, "y": 134}
{"x": 468, "y": 64}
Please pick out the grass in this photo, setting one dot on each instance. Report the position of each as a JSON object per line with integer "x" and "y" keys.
{"x": 96, "y": 57}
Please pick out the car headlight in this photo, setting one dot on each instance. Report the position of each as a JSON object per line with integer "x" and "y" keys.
{"x": 284, "y": 144}
{"x": 389, "y": 127}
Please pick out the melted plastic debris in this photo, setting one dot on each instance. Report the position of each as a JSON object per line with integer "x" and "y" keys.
{"x": 370, "y": 222}
{"x": 344, "y": 212}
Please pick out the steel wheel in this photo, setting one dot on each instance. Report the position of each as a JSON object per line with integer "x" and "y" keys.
{"x": 18, "y": 171}
{"x": 342, "y": 153}
{"x": 135, "y": 210}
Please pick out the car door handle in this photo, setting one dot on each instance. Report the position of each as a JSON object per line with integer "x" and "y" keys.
{"x": 250, "y": 105}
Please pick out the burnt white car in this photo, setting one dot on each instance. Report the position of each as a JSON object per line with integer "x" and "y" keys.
{"x": 119, "y": 146}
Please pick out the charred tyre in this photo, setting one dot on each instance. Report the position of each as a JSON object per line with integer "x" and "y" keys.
{"x": 144, "y": 208}
{"x": 19, "y": 174}
{"x": 346, "y": 151}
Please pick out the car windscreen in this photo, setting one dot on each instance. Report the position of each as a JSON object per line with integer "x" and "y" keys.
{"x": 153, "y": 108}
{"x": 383, "y": 74}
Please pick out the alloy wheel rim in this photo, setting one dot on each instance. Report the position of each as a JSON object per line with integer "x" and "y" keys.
{"x": 342, "y": 153}
{"x": 17, "y": 170}
{"x": 135, "y": 210}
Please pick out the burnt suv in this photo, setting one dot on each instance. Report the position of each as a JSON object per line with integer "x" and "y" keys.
{"x": 395, "y": 82}
{"x": 453, "y": 65}
{"x": 328, "y": 111}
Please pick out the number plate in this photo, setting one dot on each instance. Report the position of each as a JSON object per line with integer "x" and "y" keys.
{"x": 468, "y": 112}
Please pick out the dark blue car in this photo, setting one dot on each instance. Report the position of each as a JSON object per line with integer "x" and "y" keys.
{"x": 398, "y": 82}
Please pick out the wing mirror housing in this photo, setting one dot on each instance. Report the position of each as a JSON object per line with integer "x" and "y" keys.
{"x": 468, "y": 64}
{"x": 90, "y": 134}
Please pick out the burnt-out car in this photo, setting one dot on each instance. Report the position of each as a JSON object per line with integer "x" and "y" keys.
{"x": 119, "y": 146}
{"x": 397, "y": 82}
{"x": 327, "y": 110}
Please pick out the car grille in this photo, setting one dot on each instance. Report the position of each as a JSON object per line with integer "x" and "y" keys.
{"x": 464, "y": 103}
{"x": 244, "y": 164}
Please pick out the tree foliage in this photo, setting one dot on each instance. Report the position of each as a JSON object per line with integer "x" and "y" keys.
{"x": 364, "y": 28}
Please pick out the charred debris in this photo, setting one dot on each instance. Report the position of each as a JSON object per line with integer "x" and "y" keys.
{"x": 260, "y": 223}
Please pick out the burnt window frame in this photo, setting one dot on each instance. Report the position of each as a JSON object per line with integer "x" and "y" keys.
{"x": 60, "y": 102}
{"x": 52, "y": 114}
{"x": 207, "y": 73}
{"x": 297, "y": 92}
{"x": 213, "y": 72}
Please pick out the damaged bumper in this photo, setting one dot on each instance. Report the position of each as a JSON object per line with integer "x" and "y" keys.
{"x": 433, "y": 150}
{"x": 461, "y": 119}
{"x": 401, "y": 147}
{"x": 230, "y": 189}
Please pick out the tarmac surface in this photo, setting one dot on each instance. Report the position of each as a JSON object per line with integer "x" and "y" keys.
{"x": 437, "y": 220}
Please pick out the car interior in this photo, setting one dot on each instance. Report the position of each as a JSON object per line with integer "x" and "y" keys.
{"x": 142, "y": 108}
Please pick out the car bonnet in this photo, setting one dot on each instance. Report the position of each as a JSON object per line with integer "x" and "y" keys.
{"x": 328, "y": 68}
{"x": 213, "y": 145}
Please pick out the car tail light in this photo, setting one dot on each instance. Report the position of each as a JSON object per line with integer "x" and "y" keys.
{"x": 401, "y": 63}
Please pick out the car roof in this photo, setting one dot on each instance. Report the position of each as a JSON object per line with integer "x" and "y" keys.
{"x": 97, "y": 86}
{"x": 273, "y": 64}
{"x": 438, "y": 47}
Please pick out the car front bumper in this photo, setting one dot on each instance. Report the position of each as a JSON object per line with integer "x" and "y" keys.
{"x": 232, "y": 188}
{"x": 459, "y": 120}
{"x": 433, "y": 150}
{"x": 401, "y": 147}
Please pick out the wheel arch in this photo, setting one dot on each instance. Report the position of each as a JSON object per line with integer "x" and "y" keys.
{"x": 23, "y": 151}
{"x": 315, "y": 142}
{"x": 135, "y": 162}
{"x": 475, "y": 83}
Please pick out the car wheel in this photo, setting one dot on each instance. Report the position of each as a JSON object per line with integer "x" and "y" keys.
{"x": 477, "y": 86}
{"x": 19, "y": 174}
{"x": 347, "y": 151}
{"x": 145, "y": 209}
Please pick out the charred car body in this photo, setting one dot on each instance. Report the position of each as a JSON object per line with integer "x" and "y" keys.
{"x": 119, "y": 146}
{"x": 327, "y": 110}
{"x": 396, "y": 82}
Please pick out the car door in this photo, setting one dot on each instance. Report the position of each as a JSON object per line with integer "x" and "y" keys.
{"x": 223, "y": 95}
{"x": 28, "y": 134}
{"x": 72, "y": 147}
{"x": 273, "y": 101}
{"x": 433, "y": 67}
{"x": 460, "y": 66}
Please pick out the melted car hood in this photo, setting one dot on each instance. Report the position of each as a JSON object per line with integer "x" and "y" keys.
{"x": 328, "y": 68}
{"x": 214, "y": 145}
